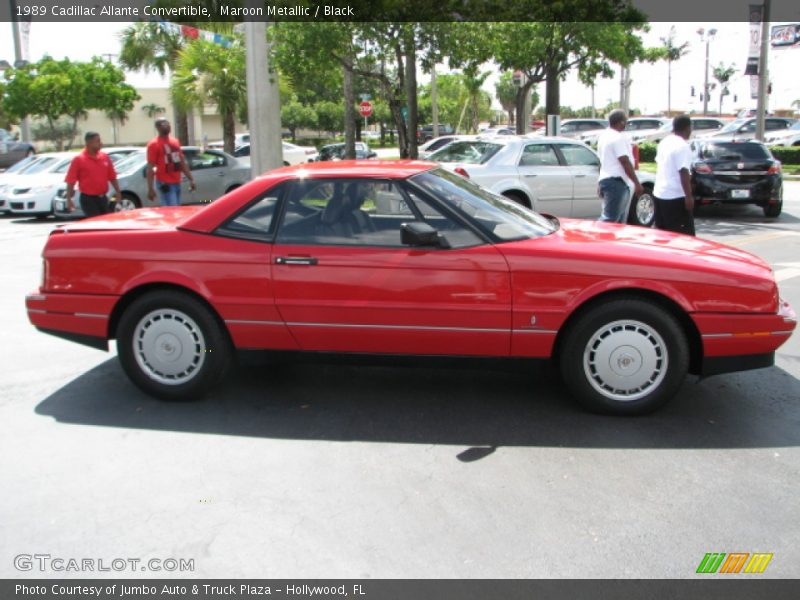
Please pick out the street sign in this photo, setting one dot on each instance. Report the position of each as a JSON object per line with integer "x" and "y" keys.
{"x": 404, "y": 113}
{"x": 365, "y": 108}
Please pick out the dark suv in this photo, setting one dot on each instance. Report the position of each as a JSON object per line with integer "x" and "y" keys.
{"x": 737, "y": 173}
{"x": 426, "y": 133}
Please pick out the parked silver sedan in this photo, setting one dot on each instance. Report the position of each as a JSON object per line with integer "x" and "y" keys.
{"x": 215, "y": 173}
{"x": 551, "y": 175}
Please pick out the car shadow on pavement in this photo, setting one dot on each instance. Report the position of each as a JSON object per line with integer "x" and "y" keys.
{"x": 472, "y": 406}
{"x": 740, "y": 220}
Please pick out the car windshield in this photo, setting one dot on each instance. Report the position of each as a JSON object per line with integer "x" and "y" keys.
{"x": 45, "y": 163}
{"x": 733, "y": 151}
{"x": 732, "y": 126}
{"x": 23, "y": 164}
{"x": 473, "y": 152}
{"x": 796, "y": 125}
{"x": 495, "y": 214}
{"x": 130, "y": 162}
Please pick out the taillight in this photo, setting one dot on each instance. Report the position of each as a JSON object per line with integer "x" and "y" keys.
{"x": 45, "y": 274}
{"x": 310, "y": 151}
{"x": 636, "y": 156}
{"x": 702, "y": 168}
{"x": 775, "y": 168}
{"x": 461, "y": 171}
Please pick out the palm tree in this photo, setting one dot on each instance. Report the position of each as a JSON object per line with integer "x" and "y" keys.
{"x": 152, "y": 110}
{"x": 473, "y": 80}
{"x": 672, "y": 53}
{"x": 208, "y": 73}
{"x": 150, "y": 47}
{"x": 116, "y": 116}
{"x": 723, "y": 74}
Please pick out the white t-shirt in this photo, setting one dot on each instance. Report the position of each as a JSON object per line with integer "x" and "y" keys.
{"x": 611, "y": 145}
{"x": 674, "y": 154}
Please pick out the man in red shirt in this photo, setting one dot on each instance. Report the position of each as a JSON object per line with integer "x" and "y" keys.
{"x": 92, "y": 170}
{"x": 165, "y": 165}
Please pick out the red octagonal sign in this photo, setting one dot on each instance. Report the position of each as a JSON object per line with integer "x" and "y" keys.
{"x": 365, "y": 108}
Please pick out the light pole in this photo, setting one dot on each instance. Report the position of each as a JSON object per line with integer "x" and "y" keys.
{"x": 706, "y": 36}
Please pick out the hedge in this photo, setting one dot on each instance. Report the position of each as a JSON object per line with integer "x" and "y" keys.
{"x": 788, "y": 155}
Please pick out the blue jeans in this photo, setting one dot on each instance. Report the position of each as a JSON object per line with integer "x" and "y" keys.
{"x": 616, "y": 200}
{"x": 170, "y": 193}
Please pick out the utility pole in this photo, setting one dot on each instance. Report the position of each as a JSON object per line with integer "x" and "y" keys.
{"x": 25, "y": 126}
{"x": 706, "y": 37}
{"x": 763, "y": 75}
{"x": 434, "y": 102}
{"x": 263, "y": 102}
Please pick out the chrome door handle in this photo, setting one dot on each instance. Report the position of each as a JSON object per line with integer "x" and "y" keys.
{"x": 295, "y": 260}
{"x": 578, "y": 176}
{"x": 531, "y": 175}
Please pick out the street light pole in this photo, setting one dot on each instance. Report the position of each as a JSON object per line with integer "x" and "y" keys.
{"x": 707, "y": 37}
{"x": 763, "y": 75}
{"x": 25, "y": 126}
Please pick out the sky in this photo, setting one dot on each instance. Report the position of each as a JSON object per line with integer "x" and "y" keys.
{"x": 648, "y": 91}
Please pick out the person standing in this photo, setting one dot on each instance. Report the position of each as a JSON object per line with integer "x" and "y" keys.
{"x": 92, "y": 170}
{"x": 616, "y": 169}
{"x": 165, "y": 165}
{"x": 674, "y": 202}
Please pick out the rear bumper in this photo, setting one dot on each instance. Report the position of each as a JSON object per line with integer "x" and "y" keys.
{"x": 707, "y": 188}
{"x": 78, "y": 318}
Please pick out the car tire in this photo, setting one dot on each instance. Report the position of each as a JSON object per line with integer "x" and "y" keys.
{"x": 172, "y": 346}
{"x": 624, "y": 357}
{"x": 643, "y": 209}
{"x": 127, "y": 202}
{"x": 773, "y": 210}
{"x": 518, "y": 198}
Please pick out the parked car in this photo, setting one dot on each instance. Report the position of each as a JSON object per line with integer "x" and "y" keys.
{"x": 704, "y": 125}
{"x": 557, "y": 176}
{"x": 737, "y": 173}
{"x": 34, "y": 196}
{"x": 435, "y": 144}
{"x": 575, "y": 128}
{"x": 647, "y": 129}
{"x": 785, "y": 137}
{"x": 336, "y": 152}
{"x": 12, "y": 149}
{"x": 425, "y": 133}
{"x": 745, "y": 129}
{"x": 238, "y": 140}
{"x": 215, "y": 174}
{"x": 494, "y": 131}
{"x": 404, "y": 257}
{"x": 29, "y": 192}
{"x": 292, "y": 154}
{"x": 9, "y": 175}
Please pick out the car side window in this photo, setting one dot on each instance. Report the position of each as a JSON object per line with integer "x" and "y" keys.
{"x": 205, "y": 160}
{"x": 748, "y": 128}
{"x": 538, "y": 155}
{"x": 775, "y": 125}
{"x": 353, "y": 212}
{"x": 256, "y": 221}
{"x": 578, "y": 155}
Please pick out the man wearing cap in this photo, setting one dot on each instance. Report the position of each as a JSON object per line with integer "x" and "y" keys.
{"x": 165, "y": 166}
{"x": 92, "y": 170}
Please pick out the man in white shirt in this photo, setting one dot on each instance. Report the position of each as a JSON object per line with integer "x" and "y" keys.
{"x": 616, "y": 169}
{"x": 674, "y": 202}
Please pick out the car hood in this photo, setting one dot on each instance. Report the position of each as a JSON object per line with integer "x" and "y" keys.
{"x": 163, "y": 217}
{"x": 643, "y": 253}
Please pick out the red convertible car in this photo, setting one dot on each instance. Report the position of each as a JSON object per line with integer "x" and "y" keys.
{"x": 405, "y": 258}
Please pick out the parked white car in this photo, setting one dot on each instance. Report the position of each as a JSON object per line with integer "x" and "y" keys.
{"x": 552, "y": 175}
{"x": 440, "y": 142}
{"x": 787, "y": 137}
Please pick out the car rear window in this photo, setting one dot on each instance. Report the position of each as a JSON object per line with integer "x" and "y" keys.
{"x": 733, "y": 151}
{"x": 475, "y": 153}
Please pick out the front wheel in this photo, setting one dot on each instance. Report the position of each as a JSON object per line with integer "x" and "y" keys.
{"x": 625, "y": 357}
{"x": 172, "y": 346}
{"x": 127, "y": 202}
{"x": 643, "y": 209}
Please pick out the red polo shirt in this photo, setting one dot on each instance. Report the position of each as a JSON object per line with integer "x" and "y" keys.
{"x": 165, "y": 154}
{"x": 91, "y": 173}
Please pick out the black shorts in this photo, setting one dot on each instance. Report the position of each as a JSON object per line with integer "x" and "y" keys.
{"x": 671, "y": 215}
{"x": 93, "y": 206}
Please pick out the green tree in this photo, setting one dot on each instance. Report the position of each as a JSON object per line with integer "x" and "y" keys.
{"x": 329, "y": 116}
{"x": 723, "y": 75}
{"x": 51, "y": 89}
{"x": 209, "y": 73}
{"x": 152, "y": 110}
{"x": 295, "y": 115}
{"x": 672, "y": 52}
{"x": 473, "y": 82}
{"x": 506, "y": 93}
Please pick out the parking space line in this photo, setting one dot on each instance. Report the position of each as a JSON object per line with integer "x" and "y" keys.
{"x": 759, "y": 238}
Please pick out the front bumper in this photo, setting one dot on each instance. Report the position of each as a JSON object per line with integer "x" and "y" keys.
{"x": 30, "y": 204}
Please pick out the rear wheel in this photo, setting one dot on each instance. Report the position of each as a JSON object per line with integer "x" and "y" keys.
{"x": 127, "y": 202}
{"x": 625, "y": 357}
{"x": 643, "y": 209}
{"x": 172, "y": 347}
{"x": 773, "y": 210}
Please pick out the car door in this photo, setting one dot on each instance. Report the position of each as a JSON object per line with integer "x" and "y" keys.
{"x": 584, "y": 165}
{"x": 345, "y": 282}
{"x": 548, "y": 180}
{"x": 209, "y": 169}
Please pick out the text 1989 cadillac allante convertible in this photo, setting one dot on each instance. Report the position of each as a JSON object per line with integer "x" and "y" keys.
{"x": 404, "y": 258}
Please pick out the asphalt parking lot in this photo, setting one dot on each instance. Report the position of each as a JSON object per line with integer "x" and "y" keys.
{"x": 378, "y": 471}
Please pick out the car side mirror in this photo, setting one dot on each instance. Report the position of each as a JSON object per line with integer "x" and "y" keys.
{"x": 417, "y": 233}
